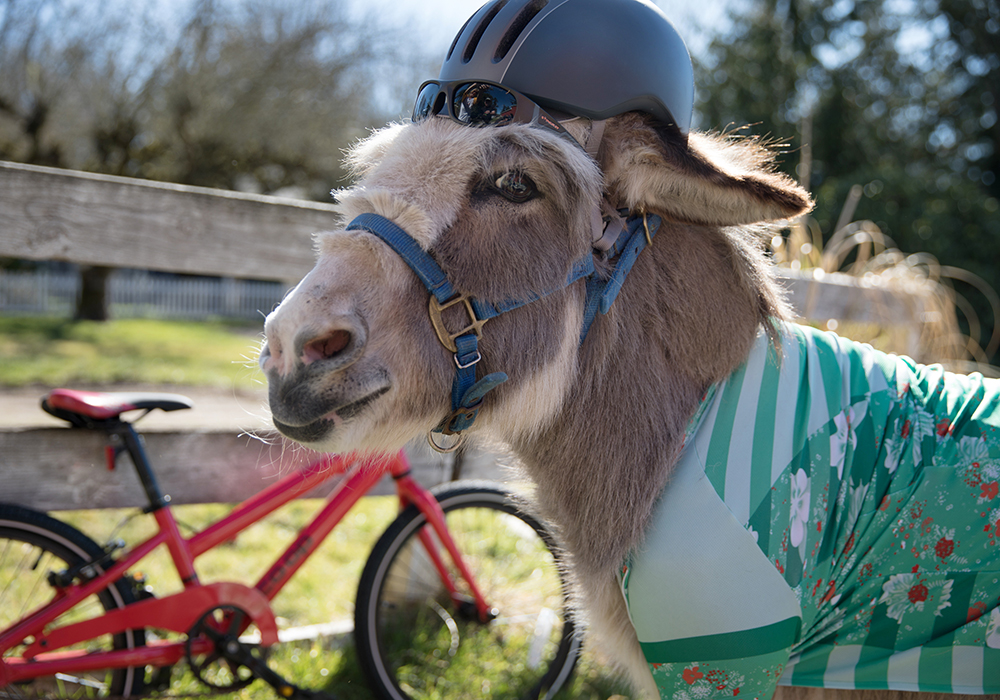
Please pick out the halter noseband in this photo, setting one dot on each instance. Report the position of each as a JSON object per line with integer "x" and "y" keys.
{"x": 466, "y": 392}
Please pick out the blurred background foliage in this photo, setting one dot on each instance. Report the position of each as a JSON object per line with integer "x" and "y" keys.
{"x": 254, "y": 95}
{"x": 887, "y": 109}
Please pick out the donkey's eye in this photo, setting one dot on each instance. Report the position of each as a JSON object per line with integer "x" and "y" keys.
{"x": 515, "y": 186}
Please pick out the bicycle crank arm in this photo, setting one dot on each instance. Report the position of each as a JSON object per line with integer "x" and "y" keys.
{"x": 242, "y": 654}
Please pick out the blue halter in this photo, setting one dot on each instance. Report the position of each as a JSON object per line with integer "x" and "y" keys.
{"x": 466, "y": 392}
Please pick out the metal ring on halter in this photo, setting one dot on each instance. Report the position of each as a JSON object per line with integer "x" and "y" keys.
{"x": 445, "y": 449}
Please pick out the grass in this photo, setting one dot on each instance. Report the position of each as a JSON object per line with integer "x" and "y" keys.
{"x": 322, "y": 591}
{"x": 51, "y": 351}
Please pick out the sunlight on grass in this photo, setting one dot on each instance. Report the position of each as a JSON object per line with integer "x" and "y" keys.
{"x": 58, "y": 351}
{"x": 143, "y": 351}
{"x": 322, "y": 591}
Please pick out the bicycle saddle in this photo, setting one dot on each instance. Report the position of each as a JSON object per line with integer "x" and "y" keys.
{"x": 82, "y": 407}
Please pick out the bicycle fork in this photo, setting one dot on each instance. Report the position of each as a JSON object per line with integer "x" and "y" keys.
{"x": 411, "y": 492}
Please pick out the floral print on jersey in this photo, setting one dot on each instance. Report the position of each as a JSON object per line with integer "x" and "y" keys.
{"x": 885, "y": 525}
{"x": 907, "y": 593}
{"x": 714, "y": 679}
{"x": 903, "y": 521}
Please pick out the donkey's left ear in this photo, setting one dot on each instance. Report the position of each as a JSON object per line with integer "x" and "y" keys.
{"x": 706, "y": 180}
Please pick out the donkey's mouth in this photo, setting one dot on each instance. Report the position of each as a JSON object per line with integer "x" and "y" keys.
{"x": 318, "y": 429}
{"x": 313, "y": 432}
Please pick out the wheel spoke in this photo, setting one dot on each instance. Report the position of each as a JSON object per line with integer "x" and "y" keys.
{"x": 412, "y": 641}
{"x": 32, "y": 544}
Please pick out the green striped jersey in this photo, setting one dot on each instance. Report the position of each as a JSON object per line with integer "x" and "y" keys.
{"x": 834, "y": 521}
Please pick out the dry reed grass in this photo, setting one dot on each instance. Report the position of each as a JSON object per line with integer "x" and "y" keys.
{"x": 930, "y": 328}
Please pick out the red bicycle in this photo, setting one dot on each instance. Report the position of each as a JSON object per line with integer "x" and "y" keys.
{"x": 463, "y": 588}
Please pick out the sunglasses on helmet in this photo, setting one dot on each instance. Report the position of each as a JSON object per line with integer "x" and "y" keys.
{"x": 481, "y": 103}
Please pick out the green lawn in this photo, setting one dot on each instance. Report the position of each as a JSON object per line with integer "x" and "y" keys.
{"x": 323, "y": 591}
{"x": 54, "y": 351}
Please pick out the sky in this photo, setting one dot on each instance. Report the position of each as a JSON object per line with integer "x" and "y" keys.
{"x": 440, "y": 20}
{"x": 437, "y": 21}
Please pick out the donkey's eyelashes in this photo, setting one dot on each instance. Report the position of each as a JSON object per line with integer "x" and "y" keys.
{"x": 515, "y": 186}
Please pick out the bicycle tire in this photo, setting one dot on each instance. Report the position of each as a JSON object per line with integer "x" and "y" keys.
{"x": 411, "y": 648}
{"x": 32, "y": 544}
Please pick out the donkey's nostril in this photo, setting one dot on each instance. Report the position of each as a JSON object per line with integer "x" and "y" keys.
{"x": 326, "y": 347}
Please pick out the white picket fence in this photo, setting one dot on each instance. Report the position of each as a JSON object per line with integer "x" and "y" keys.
{"x": 139, "y": 294}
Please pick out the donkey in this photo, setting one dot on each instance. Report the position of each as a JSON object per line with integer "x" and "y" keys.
{"x": 630, "y": 421}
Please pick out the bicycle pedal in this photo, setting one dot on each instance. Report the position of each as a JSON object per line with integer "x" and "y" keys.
{"x": 244, "y": 655}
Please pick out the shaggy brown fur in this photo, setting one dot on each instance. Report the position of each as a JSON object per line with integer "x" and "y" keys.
{"x": 598, "y": 426}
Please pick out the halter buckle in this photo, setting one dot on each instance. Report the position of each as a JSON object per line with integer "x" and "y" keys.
{"x": 448, "y": 339}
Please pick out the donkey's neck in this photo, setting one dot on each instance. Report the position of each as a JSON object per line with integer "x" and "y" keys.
{"x": 686, "y": 318}
{"x": 605, "y": 460}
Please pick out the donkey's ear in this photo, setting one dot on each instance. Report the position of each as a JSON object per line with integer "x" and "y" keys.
{"x": 708, "y": 179}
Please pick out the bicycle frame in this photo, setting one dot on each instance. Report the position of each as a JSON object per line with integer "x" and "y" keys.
{"x": 179, "y": 612}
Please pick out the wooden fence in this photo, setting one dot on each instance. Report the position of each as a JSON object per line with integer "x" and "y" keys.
{"x": 52, "y": 214}
{"x": 49, "y": 214}
{"x": 65, "y": 468}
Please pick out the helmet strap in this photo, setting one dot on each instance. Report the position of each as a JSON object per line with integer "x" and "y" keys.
{"x": 593, "y": 143}
{"x": 605, "y": 222}
{"x": 608, "y": 224}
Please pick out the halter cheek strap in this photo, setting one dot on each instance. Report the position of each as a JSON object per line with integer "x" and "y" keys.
{"x": 466, "y": 391}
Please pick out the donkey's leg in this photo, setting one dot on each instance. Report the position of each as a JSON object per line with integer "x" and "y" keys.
{"x": 612, "y": 632}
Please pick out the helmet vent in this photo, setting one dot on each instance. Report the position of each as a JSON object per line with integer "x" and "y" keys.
{"x": 470, "y": 48}
{"x": 522, "y": 20}
{"x": 454, "y": 41}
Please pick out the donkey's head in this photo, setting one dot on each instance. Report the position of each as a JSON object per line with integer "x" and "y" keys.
{"x": 352, "y": 354}
{"x": 508, "y": 216}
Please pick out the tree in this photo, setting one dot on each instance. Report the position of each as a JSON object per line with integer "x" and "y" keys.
{"x": 50, "y": 56}
{"x": 900, "y": 98}
{"x": 247, "y": 94}
{"x": 242, "y": 94}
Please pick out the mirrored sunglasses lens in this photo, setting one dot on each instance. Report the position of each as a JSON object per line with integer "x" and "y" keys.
{"x": 425, "y": 102}
{"x": 480, "y": 104}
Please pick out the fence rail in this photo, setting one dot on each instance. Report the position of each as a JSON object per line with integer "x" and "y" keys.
{"x": 91, "y": 219}
{"x": 82, "y": 218}
{"x": 139, "y": 294}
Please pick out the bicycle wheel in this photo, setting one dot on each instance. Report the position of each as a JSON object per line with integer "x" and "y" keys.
{"x": 31, "y": 545}
{"x": 415, "y": 643}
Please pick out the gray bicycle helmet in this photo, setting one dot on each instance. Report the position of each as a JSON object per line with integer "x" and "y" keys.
{"x": 589, "y": 58}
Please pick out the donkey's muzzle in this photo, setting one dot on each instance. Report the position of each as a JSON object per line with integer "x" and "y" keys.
{"x": 331, "y": 347}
